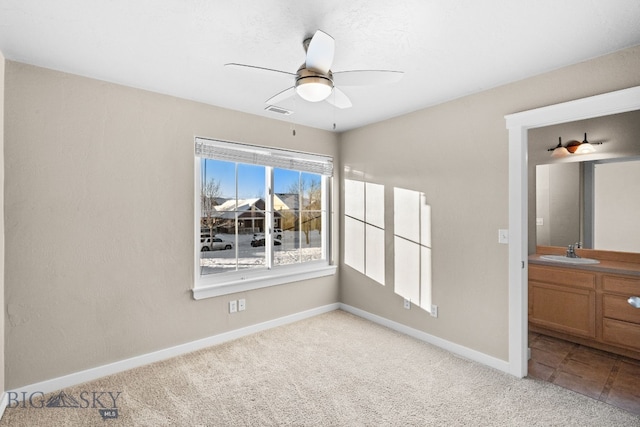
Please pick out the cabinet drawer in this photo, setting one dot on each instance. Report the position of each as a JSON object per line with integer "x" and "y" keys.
{"x": 617, "y": 307}
{"x": 623, "y": 285}
{"x": 621, "y": 333}
{"x": 562, "y": 276}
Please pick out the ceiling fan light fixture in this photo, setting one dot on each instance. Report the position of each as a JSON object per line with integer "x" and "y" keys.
{"x": 314, "y": 88}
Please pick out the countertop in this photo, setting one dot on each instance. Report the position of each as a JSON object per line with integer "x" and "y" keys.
{"x": 605, "y": 266}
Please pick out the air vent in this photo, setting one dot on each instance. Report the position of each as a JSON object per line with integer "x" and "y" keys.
{"x": 278, "y": 110}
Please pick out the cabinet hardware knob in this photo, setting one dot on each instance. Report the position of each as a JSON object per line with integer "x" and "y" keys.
{"x": 634, "y": 302}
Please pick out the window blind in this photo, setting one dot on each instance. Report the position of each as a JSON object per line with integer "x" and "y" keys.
{"x": 265, "y": 156}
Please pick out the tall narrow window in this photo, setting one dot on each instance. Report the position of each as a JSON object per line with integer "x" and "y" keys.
{"x": 261, "y": 213}
{"x": 412, "y": 246}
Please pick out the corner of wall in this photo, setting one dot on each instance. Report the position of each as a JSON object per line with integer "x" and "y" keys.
{"x": 3, "y": 402}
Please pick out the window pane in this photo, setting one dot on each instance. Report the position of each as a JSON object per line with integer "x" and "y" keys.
{"x": 286, "y": 207}
{"x": 298, "y": 217}
{"x": 251, "y": 217}
{"x": 311, "y": 217}
{"x": 229, "y": 217}
{"x": 217, "y": 225}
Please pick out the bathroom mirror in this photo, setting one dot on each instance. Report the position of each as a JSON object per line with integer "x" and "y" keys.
{"x": 593, "y": 202}
{"x": 566, "y": 217}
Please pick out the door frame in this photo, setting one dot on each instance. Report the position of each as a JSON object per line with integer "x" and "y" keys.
{"x": 518, "y": 125}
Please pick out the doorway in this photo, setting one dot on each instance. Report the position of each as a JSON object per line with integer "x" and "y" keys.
{"x": 518, "y": 124}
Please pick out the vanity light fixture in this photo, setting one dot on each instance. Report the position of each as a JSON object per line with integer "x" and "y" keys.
{"x": 573, "y": 147}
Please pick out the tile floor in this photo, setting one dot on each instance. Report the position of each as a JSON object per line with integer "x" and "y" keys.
{"x": 603, "y": 376}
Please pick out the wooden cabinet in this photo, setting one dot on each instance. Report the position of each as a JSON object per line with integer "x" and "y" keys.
{"x": 587, "y": 307}
{"x": 562, "y": 300}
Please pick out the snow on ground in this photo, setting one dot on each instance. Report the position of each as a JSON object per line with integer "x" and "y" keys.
{"x": 289, "y": 252}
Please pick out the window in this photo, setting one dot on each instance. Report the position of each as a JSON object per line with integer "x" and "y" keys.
{"x": 412, "y": 246}
{"x": 261, "y": 217}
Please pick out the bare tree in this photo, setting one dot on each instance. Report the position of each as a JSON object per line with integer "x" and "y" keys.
{"x": 309, "y": 205}
{"x": 209, "y": 193}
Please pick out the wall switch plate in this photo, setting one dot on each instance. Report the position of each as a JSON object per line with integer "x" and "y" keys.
{"x": 503, "y": 236}
{"x": 434, "y": 310}
{"x": 242, "y": 304}
{"x": 539, "y": 221}
{"x": 233, "y": 306}
{"x": 407, "y": 304}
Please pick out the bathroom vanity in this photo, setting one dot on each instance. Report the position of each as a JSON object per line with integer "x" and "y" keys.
{"x": 590, "y": 304}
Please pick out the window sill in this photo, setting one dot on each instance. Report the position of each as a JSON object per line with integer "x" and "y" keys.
{"x": 262, "y": 280}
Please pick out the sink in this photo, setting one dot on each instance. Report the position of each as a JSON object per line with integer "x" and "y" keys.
{"x": 567, "y": 260}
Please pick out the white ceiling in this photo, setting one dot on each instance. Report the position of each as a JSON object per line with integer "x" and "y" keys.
{"x": 447, "y": 48}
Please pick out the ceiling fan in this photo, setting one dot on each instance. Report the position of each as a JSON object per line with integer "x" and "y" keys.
{"x": 314, "y": 80}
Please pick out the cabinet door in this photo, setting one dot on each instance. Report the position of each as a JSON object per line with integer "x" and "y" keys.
{"x": 563, "y": 308}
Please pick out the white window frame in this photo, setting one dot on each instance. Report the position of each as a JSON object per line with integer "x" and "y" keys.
{"x": 213, "y": 285}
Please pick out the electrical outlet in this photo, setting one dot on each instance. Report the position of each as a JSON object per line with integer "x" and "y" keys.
{"x": 434, "y": 310}
{"x": 407, "y": 304}
{"x": 233, "y": 306}
{"x": 242, "y": 304}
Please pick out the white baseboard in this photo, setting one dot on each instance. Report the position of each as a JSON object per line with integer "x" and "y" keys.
{"x": 3, "y": 403}
{"x": 460, "y": 350}
{"x": 156, "y": 356}
{"x": 145, "y": 359}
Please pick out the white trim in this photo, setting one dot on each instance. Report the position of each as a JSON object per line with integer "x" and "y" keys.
{"x": 4, "y": 403}
{"x": 518, "y": 124}
{"x": 145, "y": 359}
{"x": 454, "y": 348}
{"x": 263, "y": 278}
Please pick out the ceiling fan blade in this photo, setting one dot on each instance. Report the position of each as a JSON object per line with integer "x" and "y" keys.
{"x": 253, "y": 67}
{"x": 320, "y": 52}
{"x": 281, "y": 96}
{"x": 366, "y": 77}
{"x": 339, "y": 99}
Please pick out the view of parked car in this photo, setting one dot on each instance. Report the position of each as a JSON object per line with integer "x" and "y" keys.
{"x": 277, "y": 234}
{"x": 214, "y": 244}
{"x": 260, "y": 241}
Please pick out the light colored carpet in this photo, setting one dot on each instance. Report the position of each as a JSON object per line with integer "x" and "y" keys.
{"x": 331, "y": 370}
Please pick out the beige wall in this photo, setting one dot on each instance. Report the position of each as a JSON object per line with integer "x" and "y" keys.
{"x": 457, "y": 154}
{"x": 2, "y": 66}
{"x": 99, "y": 207}
{"x": 99, "y": 223}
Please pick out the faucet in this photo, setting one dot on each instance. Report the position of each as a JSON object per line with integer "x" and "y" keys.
{"x": 571, "y": 253}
